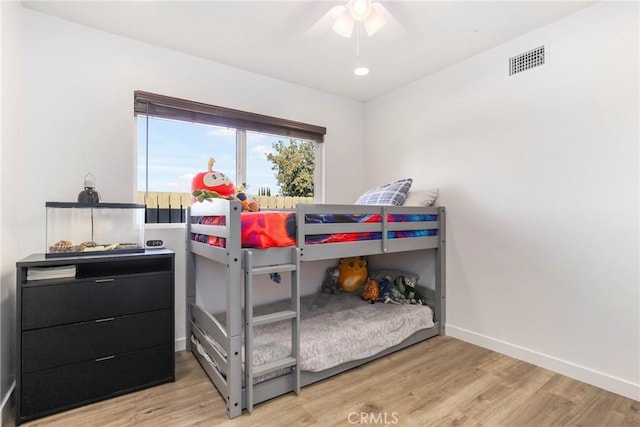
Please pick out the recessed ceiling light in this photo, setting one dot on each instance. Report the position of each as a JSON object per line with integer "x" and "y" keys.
{"x": 361, "y": 71}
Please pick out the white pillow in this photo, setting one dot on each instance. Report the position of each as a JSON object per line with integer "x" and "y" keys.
{"x": 421, "y": 197}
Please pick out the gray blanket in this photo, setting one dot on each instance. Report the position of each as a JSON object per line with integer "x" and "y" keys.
{"x": 338, "y": 328}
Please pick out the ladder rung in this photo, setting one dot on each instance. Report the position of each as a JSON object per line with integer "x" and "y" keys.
{"x": 273, "y": 366}
{"x": 281, "y": 268}
{"x": 273, "y": 317}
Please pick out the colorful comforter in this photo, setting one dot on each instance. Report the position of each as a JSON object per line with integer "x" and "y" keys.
{"x": 268, "y": 229}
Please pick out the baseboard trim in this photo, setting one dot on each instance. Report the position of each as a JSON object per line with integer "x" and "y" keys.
{"x": 7, "y": 406}
{"x": 180, "y": 344}
{"x": 580, "y": 373}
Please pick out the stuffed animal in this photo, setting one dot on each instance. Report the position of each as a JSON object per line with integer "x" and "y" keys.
{"x": 386, "y": 291}
{"x": 371, "y": 291}
{"x": 214, "y": 181}
{"x": 202, "y": 195}
{"x": 353, "y": 273}
{"x": 330, "y": 284}
{"x": 216, "y": 185}
{"x": 247, "y": 201}
{"x": 405, "y": 291}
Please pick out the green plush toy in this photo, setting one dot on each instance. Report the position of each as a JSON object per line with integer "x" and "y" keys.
{"x": 246, "y": 200}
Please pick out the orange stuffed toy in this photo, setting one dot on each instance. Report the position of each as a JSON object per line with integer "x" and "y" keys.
{"x": 353, "y": 273}
{"x": 371, "y": 291}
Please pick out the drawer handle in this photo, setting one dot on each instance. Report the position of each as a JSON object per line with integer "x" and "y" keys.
{"x": 106, "y": 319}
{"x": 104, "y": 280}
{"x": 102, "y": 359}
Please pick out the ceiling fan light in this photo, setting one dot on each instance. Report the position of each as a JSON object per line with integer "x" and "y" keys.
{"x": 361, "y": 70}
{"x": 374, "y": 22}
{"x": 360, "y": 9}
{"x": 344, "y": 24}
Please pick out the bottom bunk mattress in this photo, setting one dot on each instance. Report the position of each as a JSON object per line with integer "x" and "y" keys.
{"x": 336, "y": 329}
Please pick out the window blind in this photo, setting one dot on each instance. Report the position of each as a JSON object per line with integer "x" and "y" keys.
{"x": 167, "y": 107}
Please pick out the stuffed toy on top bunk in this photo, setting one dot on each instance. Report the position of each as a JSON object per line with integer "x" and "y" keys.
{"x": 212, "y": 184}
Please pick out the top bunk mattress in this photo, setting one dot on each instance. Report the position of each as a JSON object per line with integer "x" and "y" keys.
{"x": 269, "y": 229}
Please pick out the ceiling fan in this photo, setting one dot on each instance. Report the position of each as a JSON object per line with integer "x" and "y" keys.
{"x": 356, "y": 15}
{"x": 359, "y": 17}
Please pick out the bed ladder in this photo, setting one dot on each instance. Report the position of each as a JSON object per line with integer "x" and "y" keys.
{"x": 293, "y": 360}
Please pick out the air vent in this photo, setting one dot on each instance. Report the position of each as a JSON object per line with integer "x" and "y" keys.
{"x": 527, "y": 60}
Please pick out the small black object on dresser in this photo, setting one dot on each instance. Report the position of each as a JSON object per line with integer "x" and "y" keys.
{"x": 92, "y": 327}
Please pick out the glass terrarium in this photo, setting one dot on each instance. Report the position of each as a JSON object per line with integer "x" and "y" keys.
{"x": 75, "y": 229}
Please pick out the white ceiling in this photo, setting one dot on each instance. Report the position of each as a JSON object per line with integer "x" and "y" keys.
{"x": 272, "y": 37}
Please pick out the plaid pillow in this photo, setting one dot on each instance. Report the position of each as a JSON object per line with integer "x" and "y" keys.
{"x": 391, "y": 194}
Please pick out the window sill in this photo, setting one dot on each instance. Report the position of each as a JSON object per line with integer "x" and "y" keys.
{"x": 164, "y": 225}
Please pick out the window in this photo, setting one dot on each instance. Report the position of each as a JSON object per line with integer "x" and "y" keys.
{"x": 280, "y": 166}
{"x": 176, "y": 138}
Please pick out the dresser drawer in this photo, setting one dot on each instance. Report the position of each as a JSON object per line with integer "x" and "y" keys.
{"x": 73, "y": 385}
{"x": 79, "y": 301}
{"x": 62, "y": 345}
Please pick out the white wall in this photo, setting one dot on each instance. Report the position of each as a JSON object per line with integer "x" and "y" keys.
{"x": 539, "y": 173}
{"x": 174, "y": 237}
{"x": 10, "y": 117}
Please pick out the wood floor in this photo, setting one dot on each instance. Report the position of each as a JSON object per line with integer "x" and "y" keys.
{"x": 440, "y": 382}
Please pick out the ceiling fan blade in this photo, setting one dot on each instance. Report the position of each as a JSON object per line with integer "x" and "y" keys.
{"x": 344, "y": 23}
{"x": 323, "y": 25}
{"x": 375, "y": 21}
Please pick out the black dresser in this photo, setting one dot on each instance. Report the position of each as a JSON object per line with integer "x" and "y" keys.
{"x": 105, "y": 331}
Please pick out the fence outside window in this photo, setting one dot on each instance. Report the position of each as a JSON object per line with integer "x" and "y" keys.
{"x": 165, "y": 207}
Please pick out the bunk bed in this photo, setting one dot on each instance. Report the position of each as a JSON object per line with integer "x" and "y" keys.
{"x": 224, "y": 343}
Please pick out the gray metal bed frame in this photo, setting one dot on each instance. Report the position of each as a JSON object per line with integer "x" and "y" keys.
{"x": 237, "y": 387}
